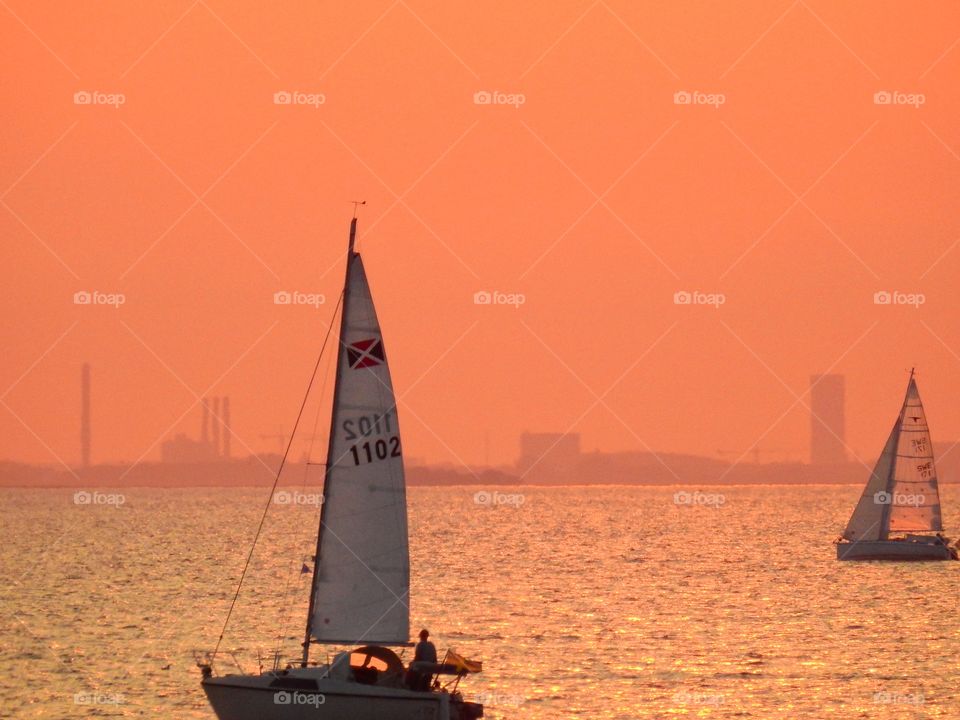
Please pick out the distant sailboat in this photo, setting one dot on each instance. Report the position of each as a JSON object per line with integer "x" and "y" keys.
{"x": 901, "y": 497}
{"x": 361, "y": 578}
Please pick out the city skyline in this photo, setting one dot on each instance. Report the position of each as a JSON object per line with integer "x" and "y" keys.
{"x": 550, "y": 455}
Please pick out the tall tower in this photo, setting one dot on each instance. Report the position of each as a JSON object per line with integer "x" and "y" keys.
{"x": 827, "y": 424}
{"x": 85, "y": 415}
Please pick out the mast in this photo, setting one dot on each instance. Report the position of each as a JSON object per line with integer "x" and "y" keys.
{"x": 885, "y": 516}
{"x": 333, "y": 413}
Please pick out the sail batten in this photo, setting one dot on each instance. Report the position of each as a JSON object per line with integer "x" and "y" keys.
{"x": 362, "y": 577}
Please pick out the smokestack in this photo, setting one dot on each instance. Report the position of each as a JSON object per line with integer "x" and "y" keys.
{"x": 215, "y": 424}
{"x": 206, "y": 420}
{"x": 226, "y": 427}
{"x": 85, "y": 415}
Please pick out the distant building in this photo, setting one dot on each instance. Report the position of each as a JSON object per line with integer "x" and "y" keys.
{"x": 827, "y": 423}
{"x": 549, "y": 457}
{"x": 182, "y": 449}
{"x": 211, "y": 446}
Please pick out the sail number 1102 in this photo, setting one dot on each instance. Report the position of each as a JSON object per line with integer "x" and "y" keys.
{"x": 369, "y": 447}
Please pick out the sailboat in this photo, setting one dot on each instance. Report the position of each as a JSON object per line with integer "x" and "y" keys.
{"x": 361, "y": 574}
{"x": 901, "y": 498}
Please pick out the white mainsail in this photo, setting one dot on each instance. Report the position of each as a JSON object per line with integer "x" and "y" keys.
{"x": 902, "y": 494}
{"x": 914, "y": 493}
{"x": 362, "y": 577}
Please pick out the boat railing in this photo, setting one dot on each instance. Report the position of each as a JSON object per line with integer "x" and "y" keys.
{"x": 205, "y": 660}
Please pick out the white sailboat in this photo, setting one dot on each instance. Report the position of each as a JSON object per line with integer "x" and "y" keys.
{"x": 361, "y": 574}
{"x": 901, "y": 498}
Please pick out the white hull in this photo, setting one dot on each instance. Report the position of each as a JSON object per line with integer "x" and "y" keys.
{"x": 892, "y": 550}
{"x": 258, "y": 697}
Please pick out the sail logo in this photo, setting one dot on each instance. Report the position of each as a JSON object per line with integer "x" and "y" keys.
{"x": 882, "y": 497}
{"x": 684, "y": 97}
{"x": 683, "y": 297}
{"x": 887, "y": 97}
{"x": 85, "y": 97}
{"x": 365, "y": 353}
{"x": 682, "y": 497}
{"x": 298, "y": 698}
{"x": 885, "y": 297}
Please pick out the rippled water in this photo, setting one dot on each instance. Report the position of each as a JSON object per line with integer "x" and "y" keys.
{"x": 583, "y": 602}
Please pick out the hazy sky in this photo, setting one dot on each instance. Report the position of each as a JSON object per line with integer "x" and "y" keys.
{"x": 785, "y": 188}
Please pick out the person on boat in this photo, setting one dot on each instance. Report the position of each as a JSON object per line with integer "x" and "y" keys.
{"x": 418, "y": 678}
{"x": 425, "y": 651}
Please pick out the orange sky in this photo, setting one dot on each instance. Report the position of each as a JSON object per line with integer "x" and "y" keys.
{"x": 598, "y": 198}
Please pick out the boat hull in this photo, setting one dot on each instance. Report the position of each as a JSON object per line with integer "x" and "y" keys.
{"x": 251, "y": 697}
{"x": 892, "y": 550}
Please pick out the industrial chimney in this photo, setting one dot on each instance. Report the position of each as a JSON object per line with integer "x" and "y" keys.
{"x": 85, "y": 415}
{"x": 226, "y": 427}
{"x": 215, "y": 424}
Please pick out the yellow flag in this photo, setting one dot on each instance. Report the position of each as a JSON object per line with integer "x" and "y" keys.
{"x": 462, "y": 664}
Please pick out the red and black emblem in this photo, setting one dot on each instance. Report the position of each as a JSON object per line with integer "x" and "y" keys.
{"x": 365, "y": 353}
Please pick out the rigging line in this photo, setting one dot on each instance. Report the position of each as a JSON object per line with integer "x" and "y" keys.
{"x": 284, "y": 616}
{"x": 276, "y": 481}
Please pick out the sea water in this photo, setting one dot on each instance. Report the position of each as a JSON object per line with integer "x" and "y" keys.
{"x": 582, "y": 602}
